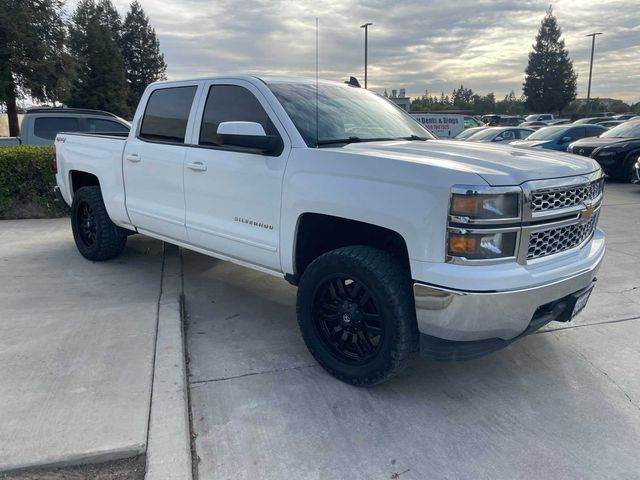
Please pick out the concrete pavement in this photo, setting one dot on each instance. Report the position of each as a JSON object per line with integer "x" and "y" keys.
{"x": 76, "y": 347}
{"x": 564, "y": 403}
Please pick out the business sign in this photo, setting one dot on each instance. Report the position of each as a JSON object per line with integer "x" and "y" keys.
{"x": 442, "y": 126}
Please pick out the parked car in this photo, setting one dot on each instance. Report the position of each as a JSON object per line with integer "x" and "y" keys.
{"x": 500, "y": 134}
{"x": 463, "y": 135}
{"x": 616, "y": 150}
{"x": 390, "y": 234}
{"x": 40, "y": 125}
{"x": 625, "y": 116}
{"x": 560, "y": 121}
{"x": 534, "y": 125}
{"x": 558, "y": 137}
{"x": 539, "y": 117}
{"x": 590, "y": 120}
{"x": 502, "y": 120}
{"x": 610, "y": 123}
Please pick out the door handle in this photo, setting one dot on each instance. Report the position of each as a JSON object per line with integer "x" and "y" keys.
{"x": 197, "y": 166}
{"x": 134, "y": 157}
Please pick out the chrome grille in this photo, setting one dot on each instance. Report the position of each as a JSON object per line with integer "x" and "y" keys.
{"x": 556, "y": 240}
{"x": 542, "y": 201}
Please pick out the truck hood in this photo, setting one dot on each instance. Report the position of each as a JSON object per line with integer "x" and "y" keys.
{"x": 497, "y": 164}
{"x": 601, "y": 142}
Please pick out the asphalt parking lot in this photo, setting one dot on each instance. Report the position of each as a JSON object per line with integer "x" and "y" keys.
{"x": 563, "y": 403}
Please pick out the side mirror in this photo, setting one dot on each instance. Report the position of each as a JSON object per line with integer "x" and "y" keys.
{"x": 249, "y": 135}
{"x": 565, "y": 139}
{"x": 498, "y": 139}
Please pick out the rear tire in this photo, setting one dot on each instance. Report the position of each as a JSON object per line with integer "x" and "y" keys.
{"x": 357, "y": 315}
{"x": 628, "y": 172}
{"x": 96, "y": 236}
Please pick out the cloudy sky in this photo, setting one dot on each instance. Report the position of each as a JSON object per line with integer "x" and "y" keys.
{"x": 413, "y": 44}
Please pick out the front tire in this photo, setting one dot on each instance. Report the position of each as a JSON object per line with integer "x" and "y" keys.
{"x": 96, "y": 236}
{"x": 357, "y": 315}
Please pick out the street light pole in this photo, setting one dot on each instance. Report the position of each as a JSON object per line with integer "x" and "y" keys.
{"x": 593, "y": 46}
{"x": 366, "y": 41}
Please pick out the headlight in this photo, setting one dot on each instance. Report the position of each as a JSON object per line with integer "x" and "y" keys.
{"x": 606, "y": 153}
{"x": 484, "y": 222}
{"x": 481, "y": 205}
{"x": 482, "y": 246}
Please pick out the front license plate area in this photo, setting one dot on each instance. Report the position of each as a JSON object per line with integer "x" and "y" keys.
{"x": 581, "y": 302}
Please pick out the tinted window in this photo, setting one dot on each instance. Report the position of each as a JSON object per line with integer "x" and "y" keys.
{"x": 230, "y": 103}
{"x": 508, "y": 135}
{"x": 576, "y": 133}
{"x": 524, "y": 133}
{"x": 105, "y": 126}
{"x": 166, "y": 115}
{"x": 48, "y": 127}
{"x": 594, "y": 131}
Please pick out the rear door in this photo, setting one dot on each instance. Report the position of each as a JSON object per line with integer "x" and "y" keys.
{"x": 153, "y": 161}
{"x": 233, "y": 195}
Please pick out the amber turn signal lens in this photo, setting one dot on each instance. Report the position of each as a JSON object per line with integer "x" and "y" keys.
{"x": 466, "y": 205}
{"x": 461, "y": 244}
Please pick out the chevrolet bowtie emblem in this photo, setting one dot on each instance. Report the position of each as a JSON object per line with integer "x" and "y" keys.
{"x": 587, "y": 213}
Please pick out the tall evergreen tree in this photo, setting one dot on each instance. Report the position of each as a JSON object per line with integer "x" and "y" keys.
{"x": 550, "y": 82}
{"x": 95, "y": 37}
{"x": 33, "y": 59}
{"x": 143, "y": 61}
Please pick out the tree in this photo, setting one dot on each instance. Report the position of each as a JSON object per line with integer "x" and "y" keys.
{"x": 100, "y": 83}
{"x": 33, "y": 59}
{"x": 550, "y": 82}
{"x": 95, "y": 34}
{"x": 143, "y": 61}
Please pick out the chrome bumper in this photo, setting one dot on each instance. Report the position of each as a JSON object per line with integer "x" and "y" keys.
{"x": 468, "y": 316}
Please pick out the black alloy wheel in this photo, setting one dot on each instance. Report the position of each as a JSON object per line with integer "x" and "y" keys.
{"x": 348, "y": 320}
{"x": 87, "y": 224}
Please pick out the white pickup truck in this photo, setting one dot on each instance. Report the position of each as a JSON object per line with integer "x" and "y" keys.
{"x": 396, "y": 241}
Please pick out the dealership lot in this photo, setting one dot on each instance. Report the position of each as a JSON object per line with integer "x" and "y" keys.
{"x": 563, "y": 403}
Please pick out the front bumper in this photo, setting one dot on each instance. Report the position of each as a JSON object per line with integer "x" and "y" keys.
{"x": 463, "y": 316}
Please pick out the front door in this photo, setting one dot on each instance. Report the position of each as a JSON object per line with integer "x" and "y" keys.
{"x": 153, "y": 164}
{"x": 233, "y": 195}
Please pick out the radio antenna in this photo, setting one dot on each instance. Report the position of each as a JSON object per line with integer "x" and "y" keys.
{"x": 317, "y": 54}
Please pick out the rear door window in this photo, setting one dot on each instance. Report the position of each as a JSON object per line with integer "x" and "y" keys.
{"x": 48, "y": 127}
{"x": 166, "y": 114}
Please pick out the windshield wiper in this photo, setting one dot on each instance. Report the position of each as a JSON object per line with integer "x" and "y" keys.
{"x": 413, "y": 137}
{"x": 333, "y": 141}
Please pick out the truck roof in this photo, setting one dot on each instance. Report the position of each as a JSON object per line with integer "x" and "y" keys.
{"x": 263, "y": 79}
{"x": 65, "y": 110}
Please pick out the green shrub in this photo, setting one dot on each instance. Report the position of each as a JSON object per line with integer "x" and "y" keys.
{"x": 26, "y": 183}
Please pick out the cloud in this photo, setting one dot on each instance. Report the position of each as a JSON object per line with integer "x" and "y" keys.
{"x": 413, "y": 44}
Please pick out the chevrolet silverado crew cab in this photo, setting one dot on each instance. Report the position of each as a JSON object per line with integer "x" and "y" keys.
{"x": 397, "y": 241}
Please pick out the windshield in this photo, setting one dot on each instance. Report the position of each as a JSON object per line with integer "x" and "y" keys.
{"x": 624, "y": 130}
{"x": 531, "y": 118}
{"x": 485, "y": 134}
{"x": 468, "y": 132}
{"x": 547, "y": 133}
{"x": 345, "y": 114}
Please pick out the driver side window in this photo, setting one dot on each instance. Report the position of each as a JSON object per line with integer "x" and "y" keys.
{"x": 231, "y": 103}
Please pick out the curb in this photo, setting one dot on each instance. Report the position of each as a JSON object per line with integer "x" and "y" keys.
{"x": 169, "y": 436}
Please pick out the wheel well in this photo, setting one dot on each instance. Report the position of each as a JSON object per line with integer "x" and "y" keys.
{"x": 318, "y": 234}
{"x": 82, "y": 179}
